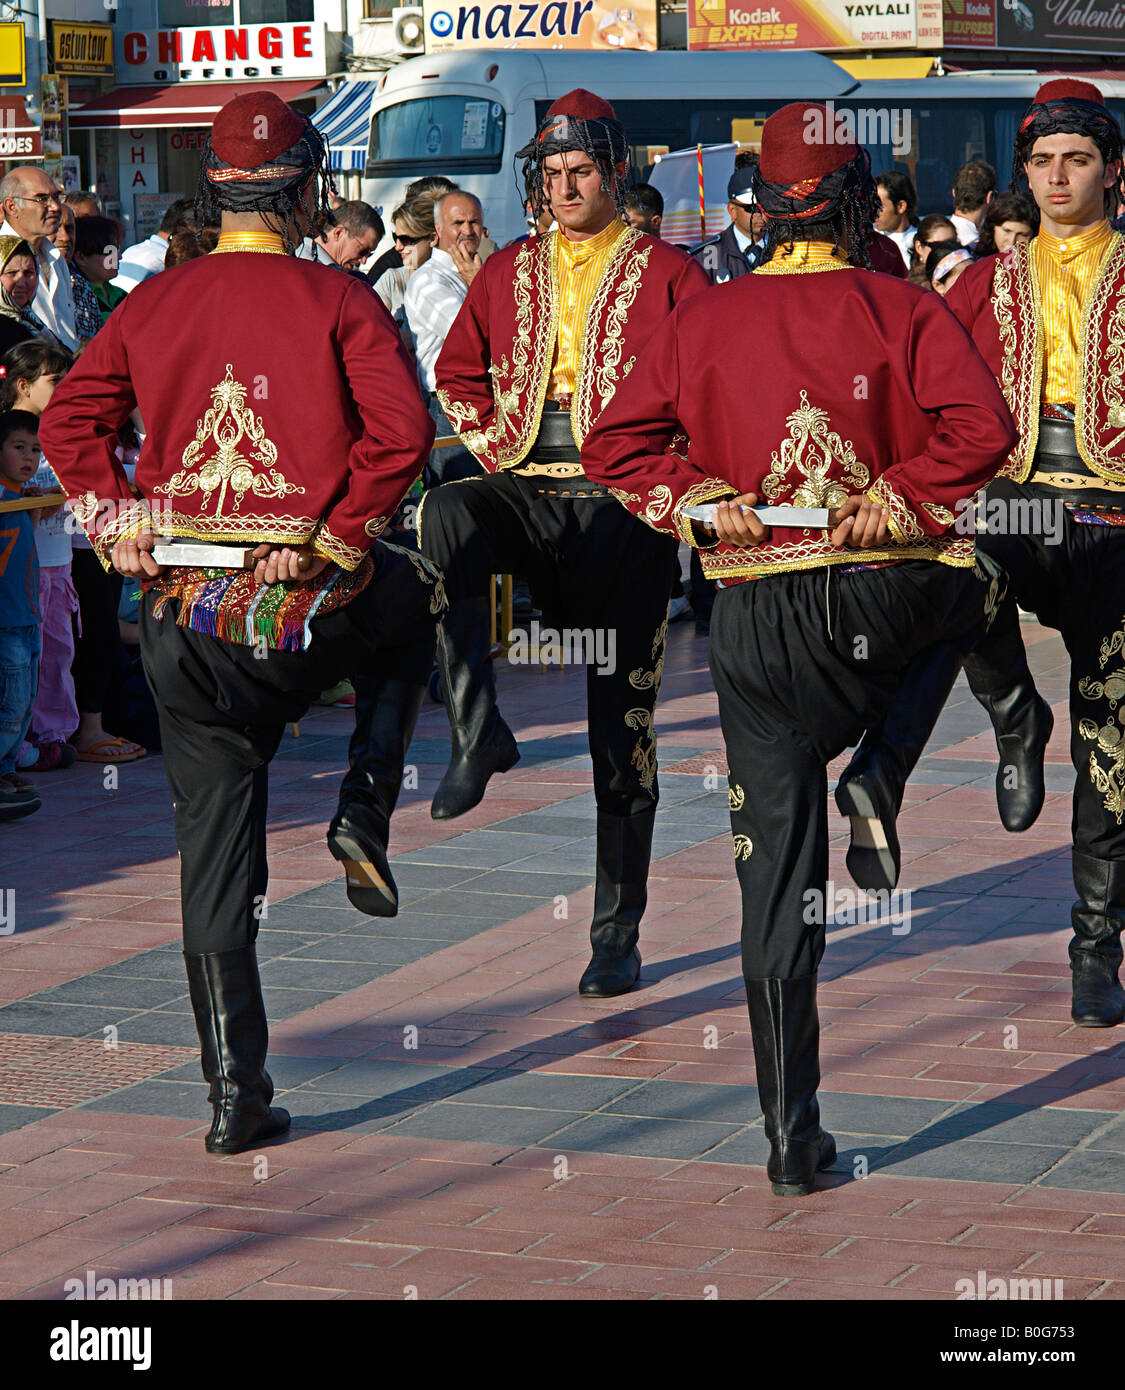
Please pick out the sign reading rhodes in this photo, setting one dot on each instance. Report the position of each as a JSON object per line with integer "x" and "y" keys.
{"x": 1096, "y": 26}
{"x": 539, "y": 24}
{"x": 820, "y": 24}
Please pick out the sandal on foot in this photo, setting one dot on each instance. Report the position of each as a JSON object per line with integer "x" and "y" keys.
{"x": 112, "y": 750}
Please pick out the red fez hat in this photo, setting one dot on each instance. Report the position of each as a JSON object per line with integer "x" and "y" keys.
{"x": 581, "y": 105}
{"x": 800, "y": 142}
{"x": 254, "y": 128}
{"x": 1064, "y": 88}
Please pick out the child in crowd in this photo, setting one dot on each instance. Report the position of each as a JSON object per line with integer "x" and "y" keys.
{"x": 31, "y": 371}
{"x": 19, "y": 609}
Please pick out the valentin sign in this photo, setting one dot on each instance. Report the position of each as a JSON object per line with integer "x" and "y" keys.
{"x": 558, "y": 24}
{"x": 817, "y": 24}
{"x": 1096, "y": 26}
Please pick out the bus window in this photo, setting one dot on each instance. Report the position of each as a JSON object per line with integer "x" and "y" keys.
{"x": 437, "y": 135}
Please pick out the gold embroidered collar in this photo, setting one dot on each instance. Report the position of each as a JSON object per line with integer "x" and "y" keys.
{"x": 576, "y": 251}
{"x": 1066, "y": 249}
{"x": 269, "y": 243}
{"x": 805, "y": 257}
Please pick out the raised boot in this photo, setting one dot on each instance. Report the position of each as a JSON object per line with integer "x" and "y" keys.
{"x": 785, "y": 1028}
{"x": 624, "y": 850}
{"x": 1098, "y": 1001}
{"x": 481, "y": 742}
{"x": 230, "y": 1018}
{"x": 999, "y": 677}
{"x": 871, "y": 788}
{"x": 386, "y": 712}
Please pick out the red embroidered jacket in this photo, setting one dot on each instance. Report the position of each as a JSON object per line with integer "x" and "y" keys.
{"x": 805, "y": 386}
{"x": 999, "y": 302}
{"x": 278, "y": 402}
{"x": 494, "y": 368}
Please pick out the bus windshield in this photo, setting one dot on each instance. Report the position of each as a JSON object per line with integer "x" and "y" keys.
{"x": 441, "y": 134}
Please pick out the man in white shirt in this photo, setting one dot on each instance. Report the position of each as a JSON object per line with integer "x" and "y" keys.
{"x": 146, "y": 258}
{"x": 32, "y": 209}
{"x": 357, "y": 231}
{"x": 437, "y": 290}
{"x": 898, "y": 203}
{"x": 972, "y": 192}
{"x": 433, "y": 299}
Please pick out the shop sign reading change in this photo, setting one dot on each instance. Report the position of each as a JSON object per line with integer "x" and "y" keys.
{"x": 818, "y": 24}
{"x": 221, "y": 51}
{"x": 567, "y": 24}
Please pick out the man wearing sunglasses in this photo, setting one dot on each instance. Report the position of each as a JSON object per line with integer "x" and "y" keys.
{"x": 32, "y": 208}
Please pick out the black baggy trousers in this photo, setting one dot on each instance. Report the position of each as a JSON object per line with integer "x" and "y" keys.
{"x": 223, "y": 710}
{"x": 803, "y": 662}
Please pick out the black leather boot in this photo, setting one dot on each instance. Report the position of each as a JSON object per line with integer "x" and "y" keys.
{"x": 999, "y": 677}
{"x": 1095, "y": 950}
{"x": 482, "y": 742}
{"x": 785, "y": 1028}
{"x": 386, "y": 711}
{"x": 230, "y": 1018}
{"x": 620, "y": 895}
{"x": 871, "y": 788}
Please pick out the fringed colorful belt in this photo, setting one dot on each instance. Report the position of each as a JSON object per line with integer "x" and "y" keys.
{"x": 229, "y": 605}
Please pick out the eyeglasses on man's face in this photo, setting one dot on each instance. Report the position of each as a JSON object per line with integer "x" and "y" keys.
{"x": 43, "y": 200}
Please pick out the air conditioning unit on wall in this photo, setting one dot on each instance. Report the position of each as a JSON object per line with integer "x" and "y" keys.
{"x": 409, "y": 30}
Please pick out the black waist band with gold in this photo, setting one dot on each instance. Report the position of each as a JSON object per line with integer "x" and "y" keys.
{"x": 554, "y": 463}
{"x": 1057, "y": 465}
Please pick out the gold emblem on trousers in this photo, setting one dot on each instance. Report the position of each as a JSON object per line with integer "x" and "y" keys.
{"x": 1110, "y": 736}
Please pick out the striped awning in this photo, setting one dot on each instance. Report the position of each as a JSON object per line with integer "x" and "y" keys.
{"x": 345, "y": 119}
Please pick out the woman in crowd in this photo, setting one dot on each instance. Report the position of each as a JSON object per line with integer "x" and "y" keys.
{"x": 932, "y": 230}
{"x": 97, "y": 246}
{"x": 946, "y": 263}
{"x": 87, "y": 310}
{"x": 1010, "y": 218}
{"x": 19, "y": 279}
{"x": 413, "y": 225}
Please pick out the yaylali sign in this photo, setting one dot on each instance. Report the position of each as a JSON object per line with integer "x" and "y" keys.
{"x": 817, "y": 24}
{"x": 219, "y": 52}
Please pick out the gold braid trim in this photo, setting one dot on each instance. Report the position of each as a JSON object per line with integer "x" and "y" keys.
{"x": 1101, "y": 376}
{"x": 708, "y": 490}
{"x": 1015, "y": 295}
{"x": 600, "y": 356}
{"x": 348, "y": 557}
{"x": 902, "y": 523}
{"x": 134, "y": 518}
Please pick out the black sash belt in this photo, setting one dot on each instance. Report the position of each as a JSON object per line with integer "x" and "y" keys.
{"x": 1058, "y": 466}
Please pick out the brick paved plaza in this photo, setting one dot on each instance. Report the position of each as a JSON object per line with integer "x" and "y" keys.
{"x": 467, "y": 1127}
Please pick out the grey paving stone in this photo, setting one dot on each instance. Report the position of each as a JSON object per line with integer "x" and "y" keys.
{"x": 538, "y": 886}
{"x": 414, "y": 1081}
{"x": 547, "y": 1090}
{"x": 969, "y": 1161}
{"x": 327, "y": 1110}
{"x": 162, "y": 1027}
{"x": 284, "y": 1071}
{"x": 114, "y": 990}
{"x": 430, "y": 877}
{"x": 58, "y": 1020}
{"x": 646, "y": 1138}
{"x": 385, "y": 951}
{"x": 1043, "y": 1125}
{"x": 1090, "y": 1170}
{"x": 149, "y": 965}
{"x": 463, "y": 855}
{"x": 890, "y": 1115}
{"x": 690, "y": 1100}
{"x": 179, "y": 1099}
{"x": 424, "y": 925}
{"x": 284, "y": 1003}
{"x": 323, "y": 976}
{"x": 16, "y": 1116}
{"x": 490, "y": 1124}
{"x": 485, "y": 907}
{"x": 545, "y": 823}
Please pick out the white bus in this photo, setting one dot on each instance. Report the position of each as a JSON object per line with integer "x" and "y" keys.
{"x": 464, "y": 115}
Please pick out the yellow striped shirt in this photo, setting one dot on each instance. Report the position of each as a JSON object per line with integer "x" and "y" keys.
{"x": 1067, "y": 272}
{"x": 803, "y": 253}
{"x": 579, "y": 267}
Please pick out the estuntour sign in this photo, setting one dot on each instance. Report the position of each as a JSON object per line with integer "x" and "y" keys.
{"x": 818, "y": 24}
{"x": 559, "y": 24}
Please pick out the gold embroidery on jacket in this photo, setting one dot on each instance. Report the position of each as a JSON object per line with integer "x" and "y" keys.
{"x": 736, "y": 796}
{"x": 1017, "y": 310}
{"x": 813, "y": 451}
{"x": 224, "y": 426}
{"x": 707, "y": 490}
{"x": 375, "y": 525}
{"x": 743, "y": 847}
{"x": 644, "y": 753}
{"x": 600, "y": 357}
{"x": 1108, "y": 737}
{"x": 902, "y": 522}
{"x": 659, "y": 502}
{"x": 326, "y": 543}
{"x": 1101, "y": 373}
